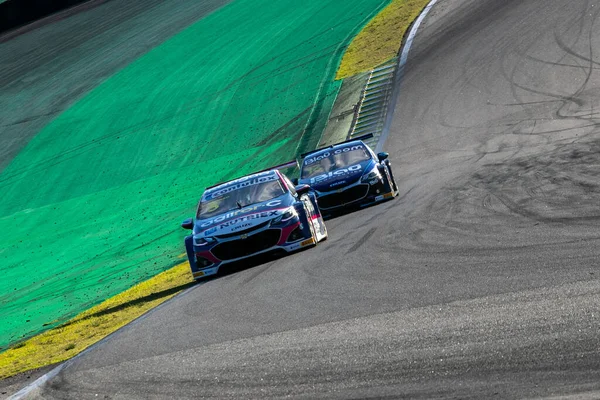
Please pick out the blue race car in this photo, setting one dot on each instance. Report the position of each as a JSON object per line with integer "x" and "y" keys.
{"x": 256, "y": 214}
{"x": 348, "y": 174}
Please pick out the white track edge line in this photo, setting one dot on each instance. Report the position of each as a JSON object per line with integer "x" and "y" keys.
{"x": 39, "y": 382}
{"x": 402, "y": 63}
{"x": 400, "y": 73}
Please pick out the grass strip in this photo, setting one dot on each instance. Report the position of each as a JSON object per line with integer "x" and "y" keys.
{"x": 98, "y": 193}
{"x": 381, "y": 38}
{"x": 71, "y": 338}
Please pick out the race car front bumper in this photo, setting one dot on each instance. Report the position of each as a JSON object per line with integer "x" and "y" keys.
{"x": 360, "y": 194}
{"x": 234, "y": 249}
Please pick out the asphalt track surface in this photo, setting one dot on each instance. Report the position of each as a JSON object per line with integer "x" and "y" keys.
{"x": 480, "y": 281}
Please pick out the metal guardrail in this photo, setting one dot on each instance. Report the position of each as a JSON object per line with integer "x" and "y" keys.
{"x": 370, "y": 112}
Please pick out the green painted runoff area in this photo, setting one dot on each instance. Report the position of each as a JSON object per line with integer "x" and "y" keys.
{"x": 93, "y": 204}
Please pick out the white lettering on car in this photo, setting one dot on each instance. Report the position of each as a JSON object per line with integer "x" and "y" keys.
{"x": 240, "y": 183}
{"x": 233, "y": 214}
{"x": 245, "y": 218}
{"x": 237, "y": 228}
{"x": 336, "y": 173}
{"x": 312, "y": 160}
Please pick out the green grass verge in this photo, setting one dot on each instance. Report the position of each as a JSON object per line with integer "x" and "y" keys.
{"x": 381, "y": 38}
{"x": 71, "y": 338}
{"x": 133, "y": 203}
{"x": 92, "y": 205}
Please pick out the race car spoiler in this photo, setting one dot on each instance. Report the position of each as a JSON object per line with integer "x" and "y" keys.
{"x": 363, "y": 137}
{"x": 289, "y": 164}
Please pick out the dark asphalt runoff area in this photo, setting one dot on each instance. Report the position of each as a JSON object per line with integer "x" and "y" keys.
{"x": 481, "y": 281}
{"x": 47, "y": 69}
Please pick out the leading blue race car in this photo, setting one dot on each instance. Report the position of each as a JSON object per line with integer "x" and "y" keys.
{"x": 348, "y": 174}
{"x": 256, "y": 214}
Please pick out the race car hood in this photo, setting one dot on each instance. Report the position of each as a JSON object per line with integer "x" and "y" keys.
{"x": 340, "y": 177}
{"x": 244, "y": 218}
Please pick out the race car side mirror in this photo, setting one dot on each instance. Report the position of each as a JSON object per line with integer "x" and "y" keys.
{"x": 302, "y": 189}
{"x": 295, "y": 181}
{"x": 188, "y": 224}
{"x": 382, "y": 156}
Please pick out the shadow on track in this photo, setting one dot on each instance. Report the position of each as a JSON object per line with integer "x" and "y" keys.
{"x": 141, "y": 300}
{"x": 352, "y": 209}
{"x": 252, "y": 262}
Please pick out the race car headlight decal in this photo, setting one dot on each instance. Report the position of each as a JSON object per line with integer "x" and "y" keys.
{"x": 286, "y": 216}
{"x": 201, "y": 241}
{"x": 372, "y": 177}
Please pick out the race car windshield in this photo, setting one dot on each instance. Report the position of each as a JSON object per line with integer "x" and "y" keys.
{"x": 331, "y": 162}
{"x": 239, "y": 198}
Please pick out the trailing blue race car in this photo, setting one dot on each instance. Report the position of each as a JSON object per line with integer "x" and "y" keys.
{"x": 259, "y": 213}
{"x": 348, "y": 174}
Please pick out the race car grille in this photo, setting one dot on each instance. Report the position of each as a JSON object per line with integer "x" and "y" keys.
{"x": 245, "y": 247}
{"x": 238, "y": 233}
{"x": 296, "y": 234}
{"x": 337, "y": 199}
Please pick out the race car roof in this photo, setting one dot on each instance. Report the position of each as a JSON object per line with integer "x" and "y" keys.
{"x": 355, "y": 139}
{"x": 289, "y": 164}
{"x": 255, "y": 177}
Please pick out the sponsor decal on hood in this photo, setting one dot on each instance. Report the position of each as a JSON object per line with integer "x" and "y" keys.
{"x": 241, "y": 219}
{"x": 338, "y": 183}
{"x": 236, "y": 213}
{"x": 337, "y": 174}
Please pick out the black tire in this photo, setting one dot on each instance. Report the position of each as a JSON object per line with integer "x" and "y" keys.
{"x": 311, "y": 227}
{"x": 308, "y": 220}
{"x": 322, "y": 221}
{"x": 391, "y": 177}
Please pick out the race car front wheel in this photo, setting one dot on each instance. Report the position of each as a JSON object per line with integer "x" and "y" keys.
{"x": 391, "y": 177}
{"x": 311, "y": 225}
